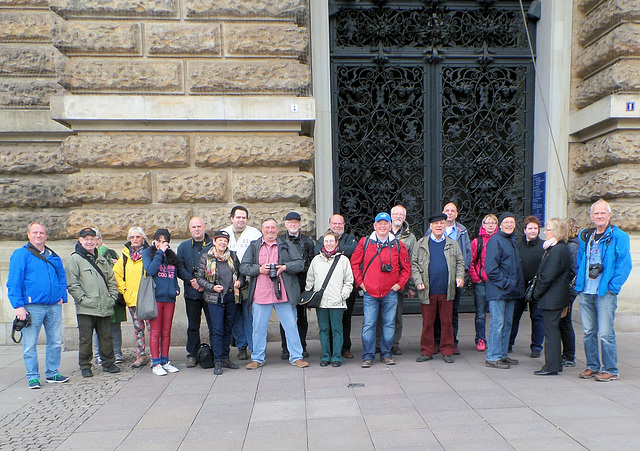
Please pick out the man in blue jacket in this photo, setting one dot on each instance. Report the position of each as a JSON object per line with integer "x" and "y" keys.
{"x": 604, "y": 264}
{"x": 505, "y": 284}
{"x": 37, "y": 286}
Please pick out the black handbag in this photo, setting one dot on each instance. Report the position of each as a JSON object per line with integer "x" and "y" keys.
{"x": 528, "y": 295}
{"x": 310, "y": 298}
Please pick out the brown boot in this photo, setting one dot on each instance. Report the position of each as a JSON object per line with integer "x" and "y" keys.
{"x": 140, "y": 361}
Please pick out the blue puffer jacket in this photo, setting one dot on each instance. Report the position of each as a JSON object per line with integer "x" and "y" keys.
{"x": 165, "y": 275}
{"x": 505, "y": 281}
{"x": 616, "y": 260}
{"x": 34, "y": 281}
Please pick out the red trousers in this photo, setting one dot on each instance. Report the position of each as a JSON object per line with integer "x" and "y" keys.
{"x": 437, "y": 304}
{"x": 160, "y": 330}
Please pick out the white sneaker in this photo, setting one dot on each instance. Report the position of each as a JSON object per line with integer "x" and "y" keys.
{"x": 158, "y": 370}
{"x": 169, "y": 368}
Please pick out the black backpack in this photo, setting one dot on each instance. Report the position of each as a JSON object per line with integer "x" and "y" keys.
{"x": 204, "y": 356}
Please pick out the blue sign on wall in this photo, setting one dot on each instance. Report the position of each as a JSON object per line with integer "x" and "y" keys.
{"x": 538, "y": 195}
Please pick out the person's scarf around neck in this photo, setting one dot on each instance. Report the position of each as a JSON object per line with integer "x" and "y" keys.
{"x": 328, "y": 254}
{"x": 549, "y": 243}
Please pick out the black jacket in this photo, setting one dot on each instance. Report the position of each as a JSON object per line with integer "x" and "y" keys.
{"x": 250, "y": 267}
{"x": 552, "y": 287}
{"x": 188, "y": 262}
{"x": 530, "y": 256}
{"x": 504, "y": 272}
{"x": 304, "y": 246}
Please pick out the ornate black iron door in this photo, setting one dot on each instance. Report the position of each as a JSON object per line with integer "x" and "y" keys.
{"x": 432, "y": 102}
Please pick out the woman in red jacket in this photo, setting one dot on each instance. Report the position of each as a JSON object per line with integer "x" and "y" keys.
{"x": 479, "y": 277}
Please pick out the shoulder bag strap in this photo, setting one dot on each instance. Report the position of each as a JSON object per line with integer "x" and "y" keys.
{"x": 40, "y": 256}
{"x": 92, "y": 263}
{"x": 333, "y": 266}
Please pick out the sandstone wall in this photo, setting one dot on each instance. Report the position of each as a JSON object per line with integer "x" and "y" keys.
{"x": 114, "y": 178}
{"x": 605, "y": 61}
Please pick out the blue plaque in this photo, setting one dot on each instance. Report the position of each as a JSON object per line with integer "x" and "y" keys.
{"x": 538, "y": 195}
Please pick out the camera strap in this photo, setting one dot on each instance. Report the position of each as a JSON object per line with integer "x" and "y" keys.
{"x": 13, "y": 336}
{"x": 35, "y": 252}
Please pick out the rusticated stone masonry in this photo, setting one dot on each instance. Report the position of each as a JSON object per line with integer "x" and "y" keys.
{"x": 605, "y": 62}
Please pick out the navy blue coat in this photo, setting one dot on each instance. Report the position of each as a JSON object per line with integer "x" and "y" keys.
{"x": 505, "y": 281}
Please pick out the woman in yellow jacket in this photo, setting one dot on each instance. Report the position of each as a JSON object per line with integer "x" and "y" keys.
{"x": 128, "y": 272}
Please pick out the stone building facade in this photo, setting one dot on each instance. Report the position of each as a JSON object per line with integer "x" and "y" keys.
{"x": 119, "y": 113}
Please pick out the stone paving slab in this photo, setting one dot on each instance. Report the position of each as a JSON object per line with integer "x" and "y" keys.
{"x": 409, "y": 405}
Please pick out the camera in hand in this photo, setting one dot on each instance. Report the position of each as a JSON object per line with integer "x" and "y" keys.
{"x": 386, "y": 267}
{"x": 273, "y": 275}
{"x": 273, "y": 271}
{"x": 595, "y": 270}
{"x": 18, "y": 325}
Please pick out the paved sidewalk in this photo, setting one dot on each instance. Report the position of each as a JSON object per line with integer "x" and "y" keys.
{"x": 410, "y": 405}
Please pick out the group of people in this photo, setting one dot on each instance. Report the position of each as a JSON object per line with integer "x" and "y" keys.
{"x": 241, "y": 274}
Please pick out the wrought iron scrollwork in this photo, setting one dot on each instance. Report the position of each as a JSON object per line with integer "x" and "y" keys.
{"x": 483, "y": 139}
{"x": 380, "y": 152}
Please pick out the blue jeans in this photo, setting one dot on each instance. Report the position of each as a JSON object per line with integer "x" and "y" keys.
{"x": 480, "y": 297}
{"x": 500, "y": 328}
{"x": 537, "y": 324}
{"x": 598, "y": 314}
{"x": 287, "y": 315}
{"x": 243, "y": 326}
{"x": 222, "y": 315}
{"x": 49, "y": 316}
{"x": 372, "y": 306}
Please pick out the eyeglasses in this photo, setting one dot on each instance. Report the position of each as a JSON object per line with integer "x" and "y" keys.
{"x": 490, "y": 222}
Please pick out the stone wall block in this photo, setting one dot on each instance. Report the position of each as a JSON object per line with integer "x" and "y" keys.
{"x": 180, "y": 39}
{"x": 626, "y": 214}
{"x": 245, "y": 9}
{"x": 610, "y": 183}
{"x": 615, "y": 148}
{"x": 30, "y": 158}
{"x": 108, "y": 75}
{"x": 261, "y": 186}
{"x": 114, "y": 223}
{"x": 623, "y": 41}
{"x": 218, "y": 150}
{"x": 586, "y": 5}
{"x": 31, "y": 26}
{"x": 620, "y": 77}
{"x": 115, "y": 8}
{"x": 95, "y": 38}
{"x": 129, "y": 151}
{"x": 120, "y": 188}
{"x": 271, "y": 39}
{"x": 27, "y": 59}
{"x": 275, "y": 76}
{"x": 193, "y": 186}
{"x": 217, "y": 216}
{"x": 33, "y": 192}
{"x": 606, "y": 16}
{"x": 27, "y": 93}
{"x": 44, "y": 4}
{"x": 13, "y": 223}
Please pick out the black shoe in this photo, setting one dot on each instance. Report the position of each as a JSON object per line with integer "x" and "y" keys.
{"x": 569, "y": 362}
{"x": 284, "y": 355}
{"x": 111, "y": 369}
{"x": 535, "y": 353}
{"x": 424, "y": 358}
{"x": 227, "y": 363}
{"x": 305, "y": 354}
{"x": 545, "y": 373}
{"x": 336, "y": 364}
{"x": 395, "y": 350}
{"x": 86, "y": 372}
{"x": 191, "y": 362}
{"x": 510, "y": 361}
{"x": 324, "y": 363}
{"x": 242, "y": 353}
{"x": 218, "y": 368}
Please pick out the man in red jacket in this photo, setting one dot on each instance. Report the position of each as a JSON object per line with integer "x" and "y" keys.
{"x": 381, "y": 268}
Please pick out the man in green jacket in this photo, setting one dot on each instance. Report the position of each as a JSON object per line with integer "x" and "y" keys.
{"x": 91, "y": 282}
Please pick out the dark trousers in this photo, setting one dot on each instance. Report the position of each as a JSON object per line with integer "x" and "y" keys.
{"x": 222, "y": 316}
{"x": 346, "y": 321}
{"x": 194, "y": 308}
{"x": 454, "y": 320}
{"x": 567, "y": 334}
{"x": 537, "y": 327}
{"x": 552, "y": 340}
{"x": 102, "y": 325}
{"x": 303, "y": 326}
{"x": 438, "y": 306}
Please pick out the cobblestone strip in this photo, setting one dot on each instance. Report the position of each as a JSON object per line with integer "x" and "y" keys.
{"x": 48, "y": 420}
